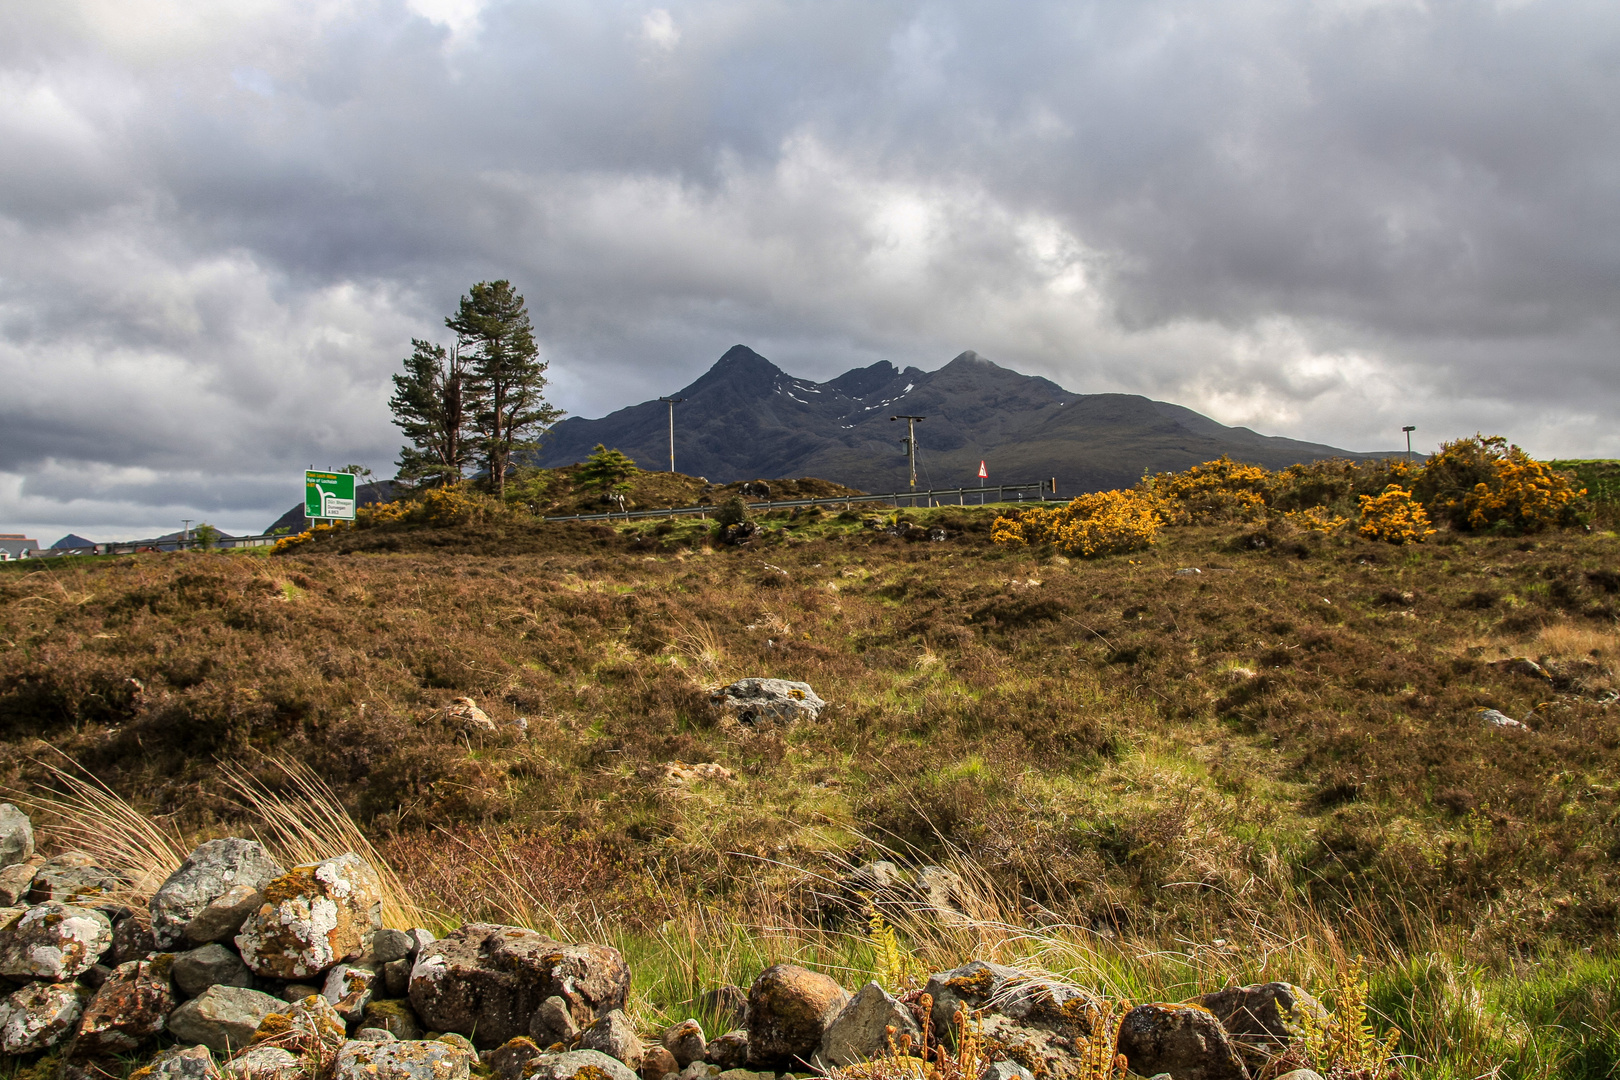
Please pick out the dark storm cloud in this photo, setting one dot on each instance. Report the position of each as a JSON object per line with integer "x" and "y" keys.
{"x": 221, "y": 224}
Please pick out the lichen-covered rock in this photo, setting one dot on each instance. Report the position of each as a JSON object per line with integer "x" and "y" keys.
{"x": 967, "y": 988}
{"x": 223, "y": 1018}
{"x": 16, "y": 836}
{"x": 212, "y": 965}
{"x": 309, "y": 1024}
{"x": 131, "y": 1007}
{"x": 132, "y": 940}
{"x": 511, "y": 1059}
{"x": 768, "y": 701}
{"x": 583, "y": 1064}
{"x": 15, "y": 881}
{"x": 789, "y": 1008}
{"x": 264, "y": 1063}
{"x": 1038, "y": 1022}
{"x": 349, "y": 989}
{"x": 1264, "y": 1016}
{"x": 70, "y": 878}
{"x": 860, "y": 1031}
{"x": 728, "y": 1051}
{"x": 312, "y": 917}
{"x": 416, "y": 1060}
{"x": 1186, "y": 1041}
{"x": 614, "y": 1035}
{"x": 179, "y": 1063}
{"x": 489, "y": 981}
{"x": 465, "y": 714}
{"x": 224, "y": 915}
{"x": 685, "y": 1042}
{"x": 54, "y": 941}
{"x": 393, "y": 1016}
{"x": 209, "y": 873}
{"x": 366, "y": 1034}
{"x": 39, "y": 1016}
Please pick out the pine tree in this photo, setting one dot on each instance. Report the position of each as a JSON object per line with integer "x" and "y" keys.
{"x": 429, "y": 406}
{"x": 507, "y": 379}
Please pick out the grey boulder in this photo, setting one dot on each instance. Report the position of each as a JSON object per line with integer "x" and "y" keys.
{"x": 209, "y": 873}
{"x": 264, "y": 1063}
{"x": 349, "y": 989}
{"x": 54, "y": 941}
{"x": 223, "y": 1018}
{"x": 789, "y": 1010}
{"x": 768, "y": 701}
{"x": 614, "y": 1035}
{"x": 71, "y": 877}
{"x": 1265, "y": 1016}
{"x": 1186, "y": 1041}
{"x": 179, "y": 1063}
{"x": 224, "y": 915}
{"x": 211, "y": 965}
{"x": 131, "y": 1007}
{"x": 16, "y": 836}
{"x": 586, "y": 1064}
{"x": 685, "y": 1042}
{"x": 860, "y": 1031}
{"x": 39, "y": 1016}
{"x": 415, "y": 1060}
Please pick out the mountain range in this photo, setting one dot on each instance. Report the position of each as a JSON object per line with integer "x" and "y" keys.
{"x": 746, "y": 418}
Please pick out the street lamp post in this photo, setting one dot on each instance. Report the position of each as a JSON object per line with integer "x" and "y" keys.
{"x": 672, "y": 402}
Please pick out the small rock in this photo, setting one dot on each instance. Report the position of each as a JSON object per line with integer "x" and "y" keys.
{"x": 69, "y": 877}
{"x": 16, "y": 836}
{"x": 224, "y": 915}
{"x": 1300, "y": 1074}
{"x": 789, "y": 1008}
{"x": 54, "y": 941}
{"x": 759, "y": 701}
{"x": 371, "y": 1034}
{"x": 1266, "y": 1015}
{"x": 386, "y": 946}
{"x": 657, "y": 1063}
{"x": 264, "y": 1063}
{"x": 456, "y": 1039}
{"x": 397, "y": 978}
{"x": 309, "y": 1023}
{"x": 131, "y": 940}
{"x": 1188, "y": 571}
{"x": 97, "y": 976}
{"x": 211, "y": 965}
{"x": 402, "y": 1061}
{"x": 1006, "y": 1070}
{"x": 14, "y": 883}
{"x": 969, "y": 987}
{"x": 553, "y": 1023}
{"x": 179, "y": 1063}
{"x": 584, "y": 1064}
{"x": 511, "y": 1059}
{"x": 420, "y": 939}
{"x": 685, "y": 1042}
{"x": 131, "y": 1007}
{"x": 1522, "y": 665}
{"x": 39, "y": 1016}
{"x": 860, "y": 1031}
{"x": 1186, "y": 1041}
{"x": 678, "y": 772}
{"x": 728, "y": 1051}
{"x": 392, "y": 1015}
{"x": 223, "y": 1018}
{"x": 299, "y": 991}
{"x": 490, "y": 981}
{"x": 312, "y": 917}
{"x": 466, "y": 713}
{"x": 750, "y": 1074}
{"x": 348, "y": 987}
{"x": 700, "y": 1070}
{"x": 614, "y": 1035}
{"x": 209, "y": 873}
{"x": 1501, "y": 720}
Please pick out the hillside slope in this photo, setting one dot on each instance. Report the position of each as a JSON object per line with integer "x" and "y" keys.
{"x": 747, "y": 418}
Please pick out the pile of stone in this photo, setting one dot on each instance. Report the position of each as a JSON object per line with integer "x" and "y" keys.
{"x": 263, "y": 973}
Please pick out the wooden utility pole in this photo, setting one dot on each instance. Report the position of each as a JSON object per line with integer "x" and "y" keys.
{"x": 673, "y": 401}
{"x": 911, "y": 443}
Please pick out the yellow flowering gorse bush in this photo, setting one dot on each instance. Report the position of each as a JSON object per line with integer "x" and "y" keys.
{"x": 1394, "y": 517}
{"x": 1104, "y": 523}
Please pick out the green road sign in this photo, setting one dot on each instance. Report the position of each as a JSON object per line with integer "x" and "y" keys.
{"x": 329, "y": 495}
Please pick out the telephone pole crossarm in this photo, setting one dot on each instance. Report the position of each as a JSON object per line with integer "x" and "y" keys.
{"x": 672, "y": 402}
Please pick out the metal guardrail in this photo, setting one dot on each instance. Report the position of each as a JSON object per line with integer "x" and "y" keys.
{"x": 131, "y": 547}
{"x": 930, "y": 497}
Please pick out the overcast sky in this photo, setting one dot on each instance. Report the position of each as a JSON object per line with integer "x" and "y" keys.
{"x": 221, "y": 223}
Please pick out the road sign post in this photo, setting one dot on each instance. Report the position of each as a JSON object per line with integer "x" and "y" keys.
{"x": 329, "y": 495}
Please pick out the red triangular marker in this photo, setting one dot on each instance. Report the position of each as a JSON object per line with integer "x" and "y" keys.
{"x": 983, "y": 473}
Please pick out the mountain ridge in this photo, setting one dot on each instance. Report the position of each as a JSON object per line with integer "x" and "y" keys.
{"x": 746, "y": 418}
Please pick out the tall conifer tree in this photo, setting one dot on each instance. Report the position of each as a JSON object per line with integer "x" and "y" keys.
{"x": 429, "y": 407}
{"x": 509, "y": 410}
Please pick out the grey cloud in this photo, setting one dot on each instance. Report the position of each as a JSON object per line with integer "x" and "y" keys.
{"x": 219, "y": 227}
